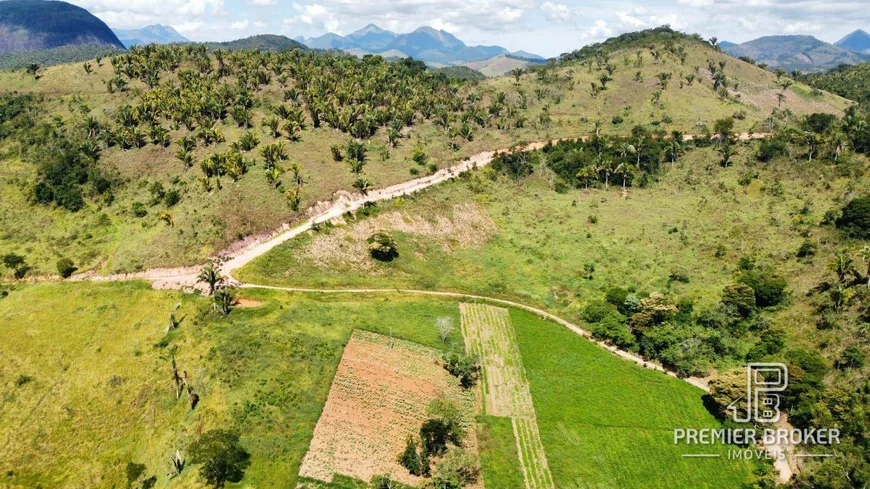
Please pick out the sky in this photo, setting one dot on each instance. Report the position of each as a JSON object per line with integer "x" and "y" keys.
{"x": 545, "y": 27}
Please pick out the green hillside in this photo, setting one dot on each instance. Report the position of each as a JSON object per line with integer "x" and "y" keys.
{"x": 142, "y": 207}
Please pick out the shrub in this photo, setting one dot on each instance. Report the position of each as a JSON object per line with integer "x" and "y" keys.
{"x": 458, "y": 466}
{"x": 138, "y": 209}
{"x": 412, "y": 460}
{"x": 852, "y": 357}
{"x": 222, "y": 457}
{"x": 679, "y": 276}
{"x": 597, "y": 310}
{"x": 22, "y": 380}
{"x": 617, "y": 120}
{"x": 769, "y": 288}
{"x": 770, "y": 149}
{"x": 172, "y": 197}
{"x": 806, "y": 250}
{"x": 741, "y": 297}
{"x": 65, "y": 267}
{"x": 464, "y": 367}
{"x": 616, "y": 296}
{"x": 382, "y": 246}
{"x": 855, "y": 219}
{"x": 612, "y": 329}
{"x": 435, "y": 434}
{"x": 134, "y": 471}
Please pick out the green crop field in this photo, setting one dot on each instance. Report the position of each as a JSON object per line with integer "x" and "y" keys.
{"x": 499, "y": 460}
{"x": 608, "y": 423}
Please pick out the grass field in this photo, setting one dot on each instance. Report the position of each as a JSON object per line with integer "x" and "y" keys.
{"x": 99, "y": 393}
{"x": 606, "y": 422}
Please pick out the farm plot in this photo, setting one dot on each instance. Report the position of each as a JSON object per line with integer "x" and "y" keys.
{"x": 490, "y": 335}
{"x": 378, "y": 397}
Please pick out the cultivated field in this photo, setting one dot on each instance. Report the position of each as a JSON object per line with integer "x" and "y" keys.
{"x": 379, "y": 396}
{"x": 489, "y": 334}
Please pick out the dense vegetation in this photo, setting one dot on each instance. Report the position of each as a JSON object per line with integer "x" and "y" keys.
{"x": 54, "y": 56}
{"x": 850, "y": 81}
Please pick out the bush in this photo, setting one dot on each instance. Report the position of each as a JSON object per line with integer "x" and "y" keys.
{"x": 741, "y": 297}
{"x": 595, "y": 311}
{"x": 222, "y": 457}
{"x": 412, "y": 459}
{"x": 382, "y": 246}
{"x": 435, "y": 434}
{"x": 855, "y": 219}
{"x": 617, "y": 120}
{"x": 806, "y": 250}
{"x": 138, "y": 209}
{"x": 612, "y": 329}
{"x": 172, "y": 197}
{"x": 769, "y": 288}
{"x": 458, "y": 466}
{"x": 65, "y": 267}
{"x": 852, "y": 357}
{"x": 463, "y": 367}
{"x": 770, "y": 149}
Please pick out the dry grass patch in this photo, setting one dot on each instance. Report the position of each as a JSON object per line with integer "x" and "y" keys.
{"x": 469, "y": 226}
{"x": 379, "y": 396}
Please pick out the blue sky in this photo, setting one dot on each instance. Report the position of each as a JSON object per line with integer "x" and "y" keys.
{"x": 547, "y": 27}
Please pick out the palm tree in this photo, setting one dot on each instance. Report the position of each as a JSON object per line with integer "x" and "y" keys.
{"x": 363, "y": 185}
{"x": 727, "y": 151}
{"x": 865, "y": 257}
{"x": 223, "y": 300}
{"x": 842, "y": 265}
{"x": 211, "y": 276}
{"x": 586, "y": 174}
{"x": 517, "y": 73}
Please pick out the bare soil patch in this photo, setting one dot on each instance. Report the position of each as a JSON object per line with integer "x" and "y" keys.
{"x": 378, "y": 397}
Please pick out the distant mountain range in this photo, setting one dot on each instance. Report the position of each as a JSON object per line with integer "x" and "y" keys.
{"x": 152, "y": 34}
{"x": 804, "y": 53}
{"x": 435, "y": 47}
{"x": 30, "y": 25}
{"x": 858, "y": 41}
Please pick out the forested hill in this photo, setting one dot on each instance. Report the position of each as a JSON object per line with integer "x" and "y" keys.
{"x": 28, "y": 25}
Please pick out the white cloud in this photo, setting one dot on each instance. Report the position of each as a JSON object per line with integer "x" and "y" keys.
{"x": 597, "y": 31}
{"x": 138, "y": 13}
{"x": 240, "y": 25}
{"x": 556, "y": 12}
{"x": 263, "y": 3}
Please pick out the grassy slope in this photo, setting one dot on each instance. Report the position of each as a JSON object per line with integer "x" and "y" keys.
{"x": 205, "y": 223}
{"x": 545, "y": 239}
{"x": 608, "y": 423}
{"x": 102, "y": 395}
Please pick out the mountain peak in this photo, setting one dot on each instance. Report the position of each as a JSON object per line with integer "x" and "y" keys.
{"x": 858, "y": 41}
{"x": 369, "y": 29}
